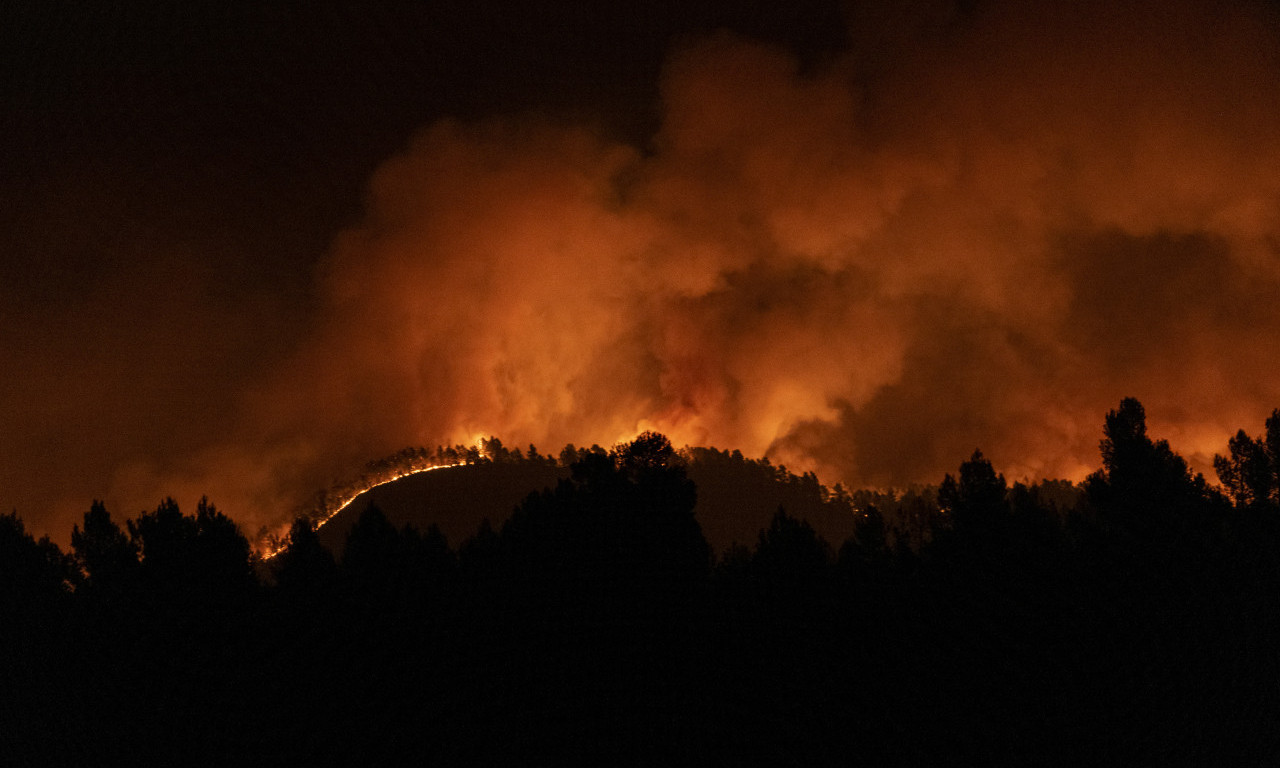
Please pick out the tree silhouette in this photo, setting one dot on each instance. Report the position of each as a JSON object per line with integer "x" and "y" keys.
{"x": 1036, "y": 515}
{"x": 866, "y": 554}
{"x": 221, "y": 550}
{"x": 202, "y": 555}
{"x": 163, "y": 539}
{"x": 373, "y": 549}
{"x": 30, "y": 570}
{"x": 104, "y": 552}
{"x": 1251, "y": 470}
{"x": 625, "y": 515}
{"x": 1144, "y": 490}
{"x": 38, "y": 648}
{"x": 977, "y": 499}
{"x": 790, "y": 553}
{"x": 977, "y": 506}
{"x": 586, "y": 621}
{"x": 871, "y": 535}
{"x": 305, "y": 564}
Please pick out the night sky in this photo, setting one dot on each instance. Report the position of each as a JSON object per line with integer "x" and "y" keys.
{"x": 245, "y": 250}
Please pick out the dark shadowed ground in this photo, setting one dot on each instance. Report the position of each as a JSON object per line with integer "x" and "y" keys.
{"x": 736, "y": 499}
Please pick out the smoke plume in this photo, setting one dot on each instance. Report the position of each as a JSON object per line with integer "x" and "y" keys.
{"x": 975, "y": 228}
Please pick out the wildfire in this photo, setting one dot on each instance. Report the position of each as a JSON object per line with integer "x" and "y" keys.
{"x": 977, "y": 232}
{"x": 327, "y": 513}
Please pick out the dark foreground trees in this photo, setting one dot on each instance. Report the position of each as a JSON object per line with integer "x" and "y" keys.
{"x": 1250, "y": 472}
{"x": 625, "y": 516}
{"x": 31, "y": 571}
{"x": 106, "y": 555}
{"x": 1132, "y": 624}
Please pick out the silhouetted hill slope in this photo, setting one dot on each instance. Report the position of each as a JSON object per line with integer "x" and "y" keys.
{"x": 455, "y": 499}
{"x": 1132, "y": 621}
{"x": 737, "y": 498}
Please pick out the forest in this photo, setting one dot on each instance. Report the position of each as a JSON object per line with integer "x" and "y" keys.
{"x": 1128, "y": 620}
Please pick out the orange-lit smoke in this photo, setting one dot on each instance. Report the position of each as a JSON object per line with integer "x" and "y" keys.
{"x": 976, "y": 229}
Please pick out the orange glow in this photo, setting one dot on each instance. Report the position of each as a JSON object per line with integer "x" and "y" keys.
{"x": 991, "y": 259}
{"x": 347, "y": 498}
{"x": 969, "y": 232}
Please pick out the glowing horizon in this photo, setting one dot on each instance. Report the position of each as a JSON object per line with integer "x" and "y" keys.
{"x": 977, "y": 231}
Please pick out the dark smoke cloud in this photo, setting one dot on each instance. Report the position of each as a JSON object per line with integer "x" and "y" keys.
{"x": 980, "y": 227}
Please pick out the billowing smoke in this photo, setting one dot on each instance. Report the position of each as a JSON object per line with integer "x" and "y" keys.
{"x": 977, "y": 228}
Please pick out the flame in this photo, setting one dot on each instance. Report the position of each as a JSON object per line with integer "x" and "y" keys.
{"x": 349, "y": 498}
{"x": 979, "y": 229}
{"x": 868, "y": 295}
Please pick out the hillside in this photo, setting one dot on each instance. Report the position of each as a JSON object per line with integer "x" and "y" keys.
{"x": 736, "y": 498}
{"x": 455, "y": 499}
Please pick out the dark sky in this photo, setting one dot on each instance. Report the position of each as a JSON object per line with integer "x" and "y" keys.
{"x": 245, "y": 249}
{"x": 251, "y": 131}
